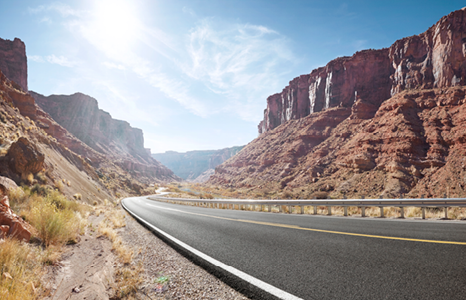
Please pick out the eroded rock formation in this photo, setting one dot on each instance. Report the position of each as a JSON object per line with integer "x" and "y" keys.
{"x": 13, "y": 62}
{"x": 384, "y": 122}
{"x": 433, "y": 59}
{"x": 116, "y": 139}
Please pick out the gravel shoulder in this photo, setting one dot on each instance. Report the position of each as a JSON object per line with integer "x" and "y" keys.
{"x": 186, "y": 280}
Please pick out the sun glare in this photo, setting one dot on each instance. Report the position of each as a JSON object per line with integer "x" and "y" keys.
{"x": 116, "y": 22}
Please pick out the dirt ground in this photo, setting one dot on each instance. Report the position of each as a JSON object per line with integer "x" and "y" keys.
{"x": 87, "y": 269}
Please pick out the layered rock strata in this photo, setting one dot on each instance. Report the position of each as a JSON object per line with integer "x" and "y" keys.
{"x": 80, "y": 115}
{"x": 384, "y": 122}
{"x": 433, "y": 59}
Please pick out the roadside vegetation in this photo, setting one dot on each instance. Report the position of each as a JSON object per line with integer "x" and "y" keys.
{"x": 198, "y": 191}
{"x": 128, "y": 277}
{"x": 57, "y": 220}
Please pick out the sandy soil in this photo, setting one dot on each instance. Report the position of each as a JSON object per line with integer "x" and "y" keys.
{"x": 87, "y": 269}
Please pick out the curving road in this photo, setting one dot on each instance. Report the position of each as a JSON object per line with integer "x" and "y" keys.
{"x": 320, "y": 257}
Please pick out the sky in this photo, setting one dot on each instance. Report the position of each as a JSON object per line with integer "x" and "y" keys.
{"x": 195, "y": 74}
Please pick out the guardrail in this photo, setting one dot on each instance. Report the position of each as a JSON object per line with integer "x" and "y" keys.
{"x": 266, "y": 205}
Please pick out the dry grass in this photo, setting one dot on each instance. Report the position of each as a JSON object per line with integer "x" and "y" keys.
{"x": 21, "y": 270}
{"x": 128, "y": 275}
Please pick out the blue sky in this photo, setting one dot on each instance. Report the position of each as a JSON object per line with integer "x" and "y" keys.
{"x": 195, "y": 75}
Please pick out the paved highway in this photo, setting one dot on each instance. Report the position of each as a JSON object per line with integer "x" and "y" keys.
{"x": 321, "y": 257}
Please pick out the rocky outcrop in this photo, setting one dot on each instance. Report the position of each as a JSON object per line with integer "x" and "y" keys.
{"x": 13, "y": 62}
{"x": 191, "y": 164}
{"x": 11, "y": 225}
{"x": 24, "y": 158}
{"x": 400, "y": 134}
{"x": 80, "y": 115}
{"x": 433, "y": 59}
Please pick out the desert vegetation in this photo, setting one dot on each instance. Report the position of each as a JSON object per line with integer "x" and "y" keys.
{"x": 198, "y": 191}
{"x": 57, "y": 222}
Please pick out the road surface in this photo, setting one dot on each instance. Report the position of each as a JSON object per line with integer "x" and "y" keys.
{"x": 324, "y": 257}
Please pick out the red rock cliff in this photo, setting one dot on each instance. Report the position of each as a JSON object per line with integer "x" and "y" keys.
{"x": 13, "y": 61}
{"x": 81, "y": 116}
{"x": 382, "y": 122}
{"x": 433, "y": 59}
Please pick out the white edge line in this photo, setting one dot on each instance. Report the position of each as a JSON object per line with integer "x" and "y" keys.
{"x": 250, "y": 279}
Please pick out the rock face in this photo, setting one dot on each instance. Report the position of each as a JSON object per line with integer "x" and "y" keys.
{"x": 13, "y": 62}
{"x": 192, "y": 164}
{"x": 11, "y": 225}
{"x": 401, "y": 133}
{"x": 80, "y": 115}
{"x": 25, "y": 158}
{"x": 433, "y": 59}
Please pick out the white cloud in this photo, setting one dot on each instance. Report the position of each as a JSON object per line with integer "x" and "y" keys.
{"x": 111, "y": 65}
{"x": 61, "y": 60}
{"x": 36, "y": 58}
{"x": 218, "y": 66}
{"x": 63, "y": 9}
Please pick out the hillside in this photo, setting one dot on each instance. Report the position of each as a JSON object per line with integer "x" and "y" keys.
{"x": 28, "y": 133}
{"x": 384, "y": 122}
{"x": 192, "y": 164}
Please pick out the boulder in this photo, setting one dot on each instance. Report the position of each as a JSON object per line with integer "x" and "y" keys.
{"x": 24, "y": 158}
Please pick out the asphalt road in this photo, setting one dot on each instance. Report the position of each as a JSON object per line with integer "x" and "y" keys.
{"x": 321, "y": 257}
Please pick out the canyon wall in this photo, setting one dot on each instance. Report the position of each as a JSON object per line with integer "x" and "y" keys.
{"x": 13, "y": 62}
{"x": 384, "y": 123}
{"x": 433, "y": 59}
{"x": 80, "y": 115}
{"x": 192, "y": 164}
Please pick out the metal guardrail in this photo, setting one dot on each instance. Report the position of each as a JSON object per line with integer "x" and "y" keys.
{"x": 266, "y": 205}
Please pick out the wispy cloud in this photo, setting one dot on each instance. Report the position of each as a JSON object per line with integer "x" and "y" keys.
{"x": 217, "y": 66}
{"x": 111, "y": 65}
{"x": 63, "y": 9}
{"x": 54, "y": 59}
{"x": 61, "y": 60}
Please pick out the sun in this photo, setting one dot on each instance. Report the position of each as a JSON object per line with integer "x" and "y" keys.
{"x": 116, "y": 22}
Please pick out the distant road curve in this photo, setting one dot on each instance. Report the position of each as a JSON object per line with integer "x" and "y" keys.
{"x": 317, "y": 257}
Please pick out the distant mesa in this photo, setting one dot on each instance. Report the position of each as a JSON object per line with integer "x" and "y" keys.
{"x": 387, "y": 122}
{"x": 196, "y": 166}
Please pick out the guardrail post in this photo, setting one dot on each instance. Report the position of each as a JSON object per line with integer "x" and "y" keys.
{"x": 381, "y": 212}
{"x": 329, "y": 210}
{"x": 446, "y": 212}
{"x": 363, "y": 211}
{"x": 301, "y": 211}
{"x": 345, "y": 211}
{"x": 402, "y": 212}
{"x": 280, "y": 208}
{"x": 290, "y": 209}
{"x": 315, "y": 210}
{"x": 423, "y": 212}
{"x": 269, "y": 208}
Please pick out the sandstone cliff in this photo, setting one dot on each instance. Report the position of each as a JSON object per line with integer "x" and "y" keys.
{"x": 192, "y": 164}
{"x": 116, "y": 139}
{"x": 384, "y": 122}
{"x": 13, "y": 62}
{"x": 433, "y": 59}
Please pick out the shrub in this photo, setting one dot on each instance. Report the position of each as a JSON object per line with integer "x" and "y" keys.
{"x": 54, "y": 227}
{"x": 59, "y": 185}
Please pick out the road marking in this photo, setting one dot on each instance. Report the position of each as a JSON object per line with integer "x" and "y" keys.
{"x": 280, "y": 294}
{"x": 313, "y": 229}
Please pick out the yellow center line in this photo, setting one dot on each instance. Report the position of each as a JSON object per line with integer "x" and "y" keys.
{"x": 319, "y": 230}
